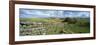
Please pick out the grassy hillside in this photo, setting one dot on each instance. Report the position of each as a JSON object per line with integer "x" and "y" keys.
{"x": 47, "y": 20}
{"x": 55, "y": 26}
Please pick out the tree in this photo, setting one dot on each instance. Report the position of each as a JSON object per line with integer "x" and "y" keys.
{"x": 70, "y": 20}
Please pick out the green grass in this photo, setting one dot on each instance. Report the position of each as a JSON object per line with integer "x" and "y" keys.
{"x": 77, "y": 29}
{"x": 47, "y": 20}
{"x": 55, "y": 26}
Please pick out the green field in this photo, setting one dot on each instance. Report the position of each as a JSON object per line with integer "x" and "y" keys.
{"x": 50, "y": 26}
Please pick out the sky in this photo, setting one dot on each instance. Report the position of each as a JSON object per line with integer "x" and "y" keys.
{"x": 45, "y": 13}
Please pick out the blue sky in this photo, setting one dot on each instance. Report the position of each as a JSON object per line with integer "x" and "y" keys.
{"x": 45, "y": 13}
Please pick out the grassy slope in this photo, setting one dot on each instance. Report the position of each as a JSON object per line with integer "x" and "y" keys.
{"x": 68, "y": 28}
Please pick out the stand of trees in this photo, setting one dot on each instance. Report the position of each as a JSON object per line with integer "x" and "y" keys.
{"x": 78, "y": 21}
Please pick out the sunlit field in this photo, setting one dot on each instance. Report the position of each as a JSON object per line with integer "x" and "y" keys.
{"x": 48, "y": 26}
